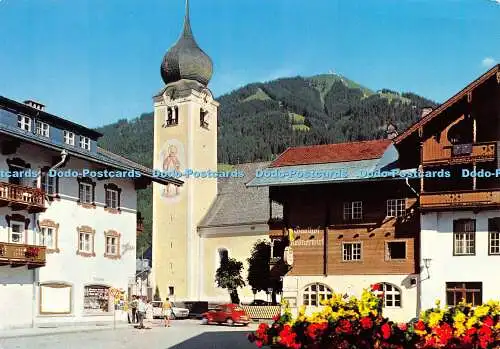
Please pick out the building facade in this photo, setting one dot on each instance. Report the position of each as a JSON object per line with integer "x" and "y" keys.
{"x": 460, "y": 204}
{"x": 345, "y": 225}
{"x": 67, "y": 234}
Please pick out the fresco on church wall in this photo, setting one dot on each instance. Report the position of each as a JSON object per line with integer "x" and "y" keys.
{"x": 173, "y": 164}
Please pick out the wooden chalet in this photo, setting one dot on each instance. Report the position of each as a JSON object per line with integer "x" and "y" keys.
{"x": 460, "y": 210}
{"x": 349, "y": 221}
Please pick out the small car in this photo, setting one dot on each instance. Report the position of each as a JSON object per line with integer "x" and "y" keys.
{"x": 230, "y": 314}
{"x": 177, "y": 311}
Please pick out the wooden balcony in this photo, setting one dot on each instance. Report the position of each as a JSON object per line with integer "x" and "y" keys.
{"x": 459, "y": 154}
{"x": 19, "y": 197}
{"x": 18, "y": 255}
{"x": 460, "y": 200}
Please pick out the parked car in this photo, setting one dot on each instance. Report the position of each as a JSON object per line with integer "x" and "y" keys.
{"x": 230, "y": 314}
{"x": 196, "y": 308}
{"x": 178, "y": 312}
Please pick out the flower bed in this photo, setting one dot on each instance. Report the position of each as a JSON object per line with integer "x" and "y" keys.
{"x": 358, "y": 323}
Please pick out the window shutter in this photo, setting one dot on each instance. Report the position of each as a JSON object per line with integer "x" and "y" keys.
{"x": 79, "y": 192}
{"x": 107, "y": 203}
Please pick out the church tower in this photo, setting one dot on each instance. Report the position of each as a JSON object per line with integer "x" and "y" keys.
{"x": 185, "y": 138}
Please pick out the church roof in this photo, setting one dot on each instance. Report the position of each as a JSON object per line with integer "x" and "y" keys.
{"x": 236, "y": 204}
{"x": 186, "y": 60}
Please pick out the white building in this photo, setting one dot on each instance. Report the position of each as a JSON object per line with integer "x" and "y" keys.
{"x": 65, "y": 241}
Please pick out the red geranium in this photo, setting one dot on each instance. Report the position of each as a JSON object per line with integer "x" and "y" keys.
{"x": 386, "y": 331}
{"x": 488, "y": 321}
{"x": 344, "y": 326}
{"x": 420, "y": 326}
{"x": 403, "y": 326}
{"x": 376, "y": 287}
{"x": 366, "y": 323}
{"x": 287, "y": 338}
{"x": 444, "y": 332}
{"x": 315, "y": 330}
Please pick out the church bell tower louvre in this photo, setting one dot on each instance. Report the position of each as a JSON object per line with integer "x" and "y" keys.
{"x": 185, "y": 137}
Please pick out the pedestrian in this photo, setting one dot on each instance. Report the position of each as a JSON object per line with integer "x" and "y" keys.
{"x": 149, "y": 314}
{"x": 167, "y": 312}
{"x": 141, "y": 312}
{"x": 133, "y": 307}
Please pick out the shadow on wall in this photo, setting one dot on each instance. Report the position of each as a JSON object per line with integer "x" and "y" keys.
{"x": 15, "y": 276}
{"x": 219, "y": 340}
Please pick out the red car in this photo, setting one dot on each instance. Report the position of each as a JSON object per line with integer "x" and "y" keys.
{"x": 230, "y": 314}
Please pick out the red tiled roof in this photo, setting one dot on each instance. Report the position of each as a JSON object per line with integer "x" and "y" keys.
{"x": 331, "y": 153}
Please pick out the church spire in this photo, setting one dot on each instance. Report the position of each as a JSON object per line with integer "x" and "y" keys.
{"x": 187, "y": 23}
{"x": 186, "y": 60}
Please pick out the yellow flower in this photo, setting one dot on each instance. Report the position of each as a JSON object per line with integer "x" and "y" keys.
{"x": 482, "y": 310}
{"x": 435, "y": 318}
{"x": 437, "y": 302}
{"x": 471, "y": 322}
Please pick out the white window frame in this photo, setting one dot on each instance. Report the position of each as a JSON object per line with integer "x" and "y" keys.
{"x": 494, "y": 243}
{"x": 110, "y": 201}
{"x": 464, "y": 242}
{"x": 388, "y": 251}
{"x": 85, "y": 143}
{"x": 24, "y": 122}
{"x": 316, "y": 293}
{"x": 86, "y": 189}
{"x": 354, "y": 245}
{"x": 20, "y": 233}
{"x": 112, "y": 245}
{"x": 353, "y": 210}
{"x": 42, "y": 129}
{"x": 69, "y": 137}
{"x": 44, "y": 235}
{"x": 48, "y": 184}
{"x": 396, "y": 207}
{"x": 390, "y": 293}
{"x": 82, "y": 242}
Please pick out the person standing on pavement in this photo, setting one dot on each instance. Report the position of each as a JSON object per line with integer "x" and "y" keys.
{"x": 141, "y": 312}
{"x": 167, "y": 312}
{"x": 133, "y": 307}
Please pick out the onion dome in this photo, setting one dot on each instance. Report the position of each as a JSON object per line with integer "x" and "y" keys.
{"x": 186, "y": 60}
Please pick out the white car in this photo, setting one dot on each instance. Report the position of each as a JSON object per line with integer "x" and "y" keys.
{"x": 177, "y": 312}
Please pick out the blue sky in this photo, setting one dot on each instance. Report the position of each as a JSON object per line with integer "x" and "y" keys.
{"x": 96, "y": 61}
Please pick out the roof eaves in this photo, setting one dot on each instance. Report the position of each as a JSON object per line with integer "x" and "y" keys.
{"x": 93, "y": 159}
{"x": 477, "y": 82}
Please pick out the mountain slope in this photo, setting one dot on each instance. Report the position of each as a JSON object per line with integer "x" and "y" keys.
{"x": 259, "y": 121}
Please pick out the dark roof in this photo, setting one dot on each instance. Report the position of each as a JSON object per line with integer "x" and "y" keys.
{"x": 102, "y": 156}
{"x": 469, "y": 88}
{"x": 186, "y": 60}
{"x": 236, "y": 204}
{"x": 17, "y": 107}
{"x": 332, "y": 153}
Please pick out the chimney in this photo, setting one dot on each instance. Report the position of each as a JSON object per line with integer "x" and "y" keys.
{"x": 34, "y": 104}
{"x": 425, "y": 111}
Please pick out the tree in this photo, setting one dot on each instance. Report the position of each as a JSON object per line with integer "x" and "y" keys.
{"x": 259, "y": 274}
{"x": 157, "y": 294}
{"x": 228, "y": 276}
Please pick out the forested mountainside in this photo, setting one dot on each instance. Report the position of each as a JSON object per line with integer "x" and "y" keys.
{"x": 259, "y": 121}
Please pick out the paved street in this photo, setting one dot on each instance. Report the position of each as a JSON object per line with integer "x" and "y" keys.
{"x": 184, "y": 334}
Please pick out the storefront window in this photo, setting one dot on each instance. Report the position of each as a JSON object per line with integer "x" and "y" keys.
{"x": 96, "y": 299}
